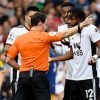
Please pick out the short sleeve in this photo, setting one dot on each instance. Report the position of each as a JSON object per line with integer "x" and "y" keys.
{"x": 11, "y": 37}
{"x": 94, "y": 34}
{"x": 13, "y": 51}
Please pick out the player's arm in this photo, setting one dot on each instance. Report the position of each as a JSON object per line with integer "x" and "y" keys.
{"x": 98, "y": 45}
{"x": 12, "y": 53}
{"x": 93, "y": 59}
{"x": 94, "y": 35}
{"x": 73, "y": 30}
{"x": 4, "y": 54}
{"x": 67, "y": 56}
{"x": 9, "y": 42}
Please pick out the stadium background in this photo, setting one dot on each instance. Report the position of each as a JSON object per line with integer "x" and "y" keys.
{"x": 12, "y": 14}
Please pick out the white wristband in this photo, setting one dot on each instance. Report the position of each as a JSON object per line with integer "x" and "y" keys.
{"x": 95, "y": 56}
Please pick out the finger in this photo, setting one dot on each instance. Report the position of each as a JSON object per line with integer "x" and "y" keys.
{"x": 90, "y": 16}
{"x": 93, "y": 61}
{"x": 89, "y": 62}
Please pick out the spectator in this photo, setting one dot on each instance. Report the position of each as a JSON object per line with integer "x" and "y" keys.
{"x": 19, "y": 13}
{"x": 3, "y": 17}
{"x": 13, "y": 21}
{"x": 82, "y": 3}
{"x": 10, "y": 8}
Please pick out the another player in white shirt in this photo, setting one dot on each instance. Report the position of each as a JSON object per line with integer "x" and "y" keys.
{"x": 64, "y": 10}
{"x": 81, "y": 83}
{"x": 14, "y": 33}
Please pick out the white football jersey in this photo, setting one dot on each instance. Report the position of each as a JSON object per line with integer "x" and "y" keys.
{"x": 98, "y": 67}
{"x": 78, "y": 68}
{"x": 69, "y": 63}
{"x": 81, "y": 45}
{"x": 14, "y": 33}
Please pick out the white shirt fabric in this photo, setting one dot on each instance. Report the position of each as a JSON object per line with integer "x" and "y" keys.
{"x": 65, "y": 49}
{"x": 98, "y": 70}
{"x": 98, "y": 67}
{"x": 82, "y": 70}
{"x": 78, "y": 68}
{"x": 14, "y": 33}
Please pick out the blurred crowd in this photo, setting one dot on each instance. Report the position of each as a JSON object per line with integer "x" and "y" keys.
{"x": 12, "y": 14}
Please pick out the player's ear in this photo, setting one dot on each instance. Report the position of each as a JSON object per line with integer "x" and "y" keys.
{"x": 25, "y": 17}
{"x": 40, "y": 23}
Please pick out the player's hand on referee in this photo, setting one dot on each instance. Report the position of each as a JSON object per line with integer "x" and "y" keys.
{"x": 49, "y": 59}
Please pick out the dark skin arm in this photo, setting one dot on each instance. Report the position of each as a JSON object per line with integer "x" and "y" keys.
{"x": 4, "y": 54}
{"x": 66, "y": 56}
{"x": 4, "y": 58}
{"x": 92, "y": 60}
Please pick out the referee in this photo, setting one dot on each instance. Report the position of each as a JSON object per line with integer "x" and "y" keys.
{"x": 34, "y": 49}
{"x": 14, "y": 33}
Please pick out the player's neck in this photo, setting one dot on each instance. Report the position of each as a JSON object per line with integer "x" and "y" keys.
{"x": 27, "y": 27}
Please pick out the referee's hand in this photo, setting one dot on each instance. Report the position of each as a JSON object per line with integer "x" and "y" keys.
{"x": 92, "y": 60}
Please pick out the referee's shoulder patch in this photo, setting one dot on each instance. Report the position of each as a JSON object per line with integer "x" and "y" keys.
{"x": 52, "y": 33}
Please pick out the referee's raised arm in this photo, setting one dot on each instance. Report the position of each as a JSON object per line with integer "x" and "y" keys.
{"x": 71, "y": 31}
{"x": 67, "y": 33}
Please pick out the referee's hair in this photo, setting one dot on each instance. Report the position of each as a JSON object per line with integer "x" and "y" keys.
{"x": 77, "y": 13}
{"x": 37, "y": 17}
{"x": 31, "y": 8}
{"x": 67, "y": 4}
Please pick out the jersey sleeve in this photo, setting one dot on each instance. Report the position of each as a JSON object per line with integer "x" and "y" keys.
{"x": 94, "y": 34}
{"x": 54, "y": 36}
{"x": 11, "y": 37}
{"x": 13, "y": 51}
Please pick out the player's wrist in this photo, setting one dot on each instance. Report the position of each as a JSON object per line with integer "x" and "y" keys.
{"x": 95, "y": 56}
{"x": 79, "y": 28}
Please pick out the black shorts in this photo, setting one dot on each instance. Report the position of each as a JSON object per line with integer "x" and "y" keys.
{"x": 67, "y": 90}
{"x": 33, "y": 88}
{"x": 81, "y": 90}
